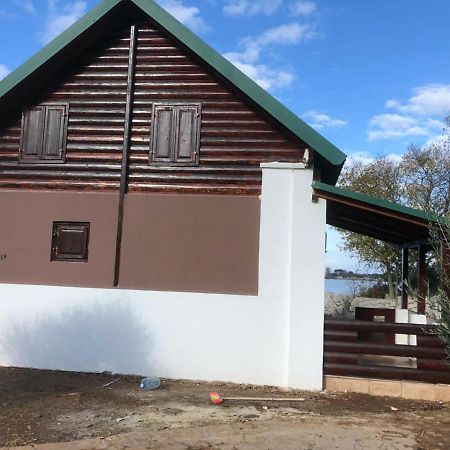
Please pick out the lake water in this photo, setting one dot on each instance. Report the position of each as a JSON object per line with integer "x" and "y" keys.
{"x": 346, "y": 287}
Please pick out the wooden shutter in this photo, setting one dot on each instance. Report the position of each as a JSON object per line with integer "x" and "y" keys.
{"x": 43, "y": 135}
{"x": 54, "y": 133}
{"x": 163, "y": 122}
{"x": 32, "y": 137}
{"x": 70, "y": 241}
{"x": 187, "y": 134}
{"x": 175, "y": 137}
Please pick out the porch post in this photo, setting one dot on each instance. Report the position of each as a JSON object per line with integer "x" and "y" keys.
{"x": 422, "y": 288}
{"x": 405, "y": 277}
{"x": 445, "y": 268}
{"x": 289, "y": 186}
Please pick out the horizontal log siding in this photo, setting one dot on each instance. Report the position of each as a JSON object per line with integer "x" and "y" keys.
{"x": 235, "y": 137}
{"x": 95, "y": 85}
{"x": 344, "y": 346}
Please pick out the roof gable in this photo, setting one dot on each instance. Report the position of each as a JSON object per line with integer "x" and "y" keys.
{"x": 331, "y": 154}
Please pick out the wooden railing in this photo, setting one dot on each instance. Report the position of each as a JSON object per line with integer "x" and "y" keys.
{"x": 357, "y": 348}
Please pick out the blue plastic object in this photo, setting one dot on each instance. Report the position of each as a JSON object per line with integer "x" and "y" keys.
{"x": 150, "y": 384}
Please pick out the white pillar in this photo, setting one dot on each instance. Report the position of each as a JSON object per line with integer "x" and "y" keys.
{"x": 287, "y": 206}
{"x": 401, "y": 316}
{"x": 420, "y": 319}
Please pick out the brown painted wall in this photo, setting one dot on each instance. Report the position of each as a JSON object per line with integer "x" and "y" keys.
{"x": 26, "y": 233}
{"x": 193, "y": 243}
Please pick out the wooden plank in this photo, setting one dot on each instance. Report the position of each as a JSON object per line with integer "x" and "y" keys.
{"x": 126, "y": 148}
{"x": 433, "y": 364}
{"x": 340, "y": 358}
{"x": 370, "y": 348}
{"x": 163, "y": 134}
{"x": 390, "y": 373}
{"x": 32, "y": 138}
{"x": 341, "y": 336}
{"x": 429, "y": 341}
{"x": 381, "y": 327}
{"x": 430, "y": 352}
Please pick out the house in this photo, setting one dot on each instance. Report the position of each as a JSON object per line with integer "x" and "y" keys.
{"x": 147, "y": 185}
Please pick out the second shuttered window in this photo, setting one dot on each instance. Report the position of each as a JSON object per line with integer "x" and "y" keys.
{"x": 175, "y": 135}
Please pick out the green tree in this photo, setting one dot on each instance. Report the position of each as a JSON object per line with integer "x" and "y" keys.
{"x": 381, "y": 178}
{"x": 426, "y": 173}
{"x": 420, "y": 180}
{"x": 441, "y": 240}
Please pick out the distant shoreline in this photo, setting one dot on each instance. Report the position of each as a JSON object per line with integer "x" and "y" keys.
{"x": 354, "y": 279}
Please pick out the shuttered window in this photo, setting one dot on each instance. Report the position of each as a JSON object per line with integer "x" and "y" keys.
{"x": 175, "y": 136}
{"x": 70, "y": 241}
{"x": 43, "y": 136}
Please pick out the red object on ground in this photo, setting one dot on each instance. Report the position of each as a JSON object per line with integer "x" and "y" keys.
{"x": 215, "y": 398}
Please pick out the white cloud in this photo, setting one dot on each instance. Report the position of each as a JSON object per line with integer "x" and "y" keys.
{"x": 188, "y": 15}
{"x": 3, "y": 71}
{"x": 368, "y": 158}
{"x": 321, "y": 121}
{"x": 392, "y": 126}
{"x": 431, "y": 99}
{"x": 360, "y": 157}
{"x": 394, "y": 157}
{"x": 386, "y": 126}
{"x": 421, "y": 115}
{"x": 291, "y": 33}
{"x": 251, "y": 7}
{"x": 439, "y": 141}
{"x": 302, "y": 8}
{"x": 247, "y": 8}
{"x": 265, "y": 76}
{"x": 60, "y": 17}
{"x": 248, "y": 60}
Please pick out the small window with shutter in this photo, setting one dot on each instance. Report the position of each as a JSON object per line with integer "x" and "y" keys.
{"x": 43, "y": 135}
{"x": 70, "y": 241}
{"x": 175, "y": 135}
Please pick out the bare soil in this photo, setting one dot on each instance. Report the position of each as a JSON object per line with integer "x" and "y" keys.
{"x": 48, "y": 407}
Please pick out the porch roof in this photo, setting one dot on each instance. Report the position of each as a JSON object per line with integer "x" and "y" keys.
{"x": 375, "y": 217}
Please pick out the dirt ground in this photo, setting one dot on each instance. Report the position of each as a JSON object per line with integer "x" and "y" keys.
{"x": 43, "y": 407}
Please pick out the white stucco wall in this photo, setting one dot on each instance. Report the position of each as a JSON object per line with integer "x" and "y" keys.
{"x": 274, "y": 338}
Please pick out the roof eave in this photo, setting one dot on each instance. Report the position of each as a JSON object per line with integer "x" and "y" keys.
{"x": 378, "y": 202}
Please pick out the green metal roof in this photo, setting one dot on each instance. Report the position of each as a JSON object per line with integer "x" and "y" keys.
{"x": 378, "y": 202}
{"x": 262, "y": 98}
{"x": 55, "y": 46}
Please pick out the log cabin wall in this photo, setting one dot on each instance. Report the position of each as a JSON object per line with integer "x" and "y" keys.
{"x": 95, "y": 87}
{"x": 235, "y": 136}
{"x": 212, "y": 246}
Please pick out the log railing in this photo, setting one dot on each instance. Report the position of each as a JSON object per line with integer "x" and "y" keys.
{"x": 354, "y": 348}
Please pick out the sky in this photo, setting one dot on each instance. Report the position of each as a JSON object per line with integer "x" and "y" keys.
{"x": 371, "y": 76}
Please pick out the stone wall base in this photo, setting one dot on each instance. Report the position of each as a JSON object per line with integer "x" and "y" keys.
{"x": 389, "y": 388}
